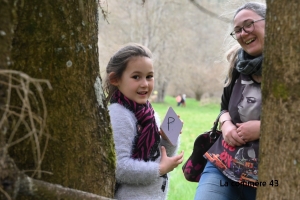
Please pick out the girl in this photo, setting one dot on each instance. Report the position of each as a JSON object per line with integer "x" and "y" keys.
{"x": 143, "y": 157}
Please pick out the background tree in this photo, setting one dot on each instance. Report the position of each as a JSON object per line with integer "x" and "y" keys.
{"x": 74, "y": 148}
{"x": 183, "y": 40}
{"x": 147, "y": 24}
{"x": 279, "y": 144}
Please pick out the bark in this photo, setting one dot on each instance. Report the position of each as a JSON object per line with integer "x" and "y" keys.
{"x": 9, "y": 176}
{"x": 7, "y": 167}
{"x": 57, "y": 40}
{"x": 279, "y": 156}
{"x": 7, "y": 13}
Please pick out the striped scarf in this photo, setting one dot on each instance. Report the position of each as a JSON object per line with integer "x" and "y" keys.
{"x": 145, "y": 145}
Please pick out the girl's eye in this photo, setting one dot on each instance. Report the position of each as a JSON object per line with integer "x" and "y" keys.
{"x": 149, "y": 76}
{"x": 136, "y": 77}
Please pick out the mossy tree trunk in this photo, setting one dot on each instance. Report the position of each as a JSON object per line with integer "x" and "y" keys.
{"x": 57, "y": 40}
{"x": 7, "y": 11}
{"x": 8, "y": 172}
{"x": 279, "y": 156}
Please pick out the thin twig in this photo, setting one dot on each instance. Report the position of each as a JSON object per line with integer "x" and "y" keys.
{"x": 5, "y": 194}
{"x": 210, "y": 13}
{"x": 34, "y": 123}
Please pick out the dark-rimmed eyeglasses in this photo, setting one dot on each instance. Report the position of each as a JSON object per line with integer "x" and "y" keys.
{"x": 248, "y": 28}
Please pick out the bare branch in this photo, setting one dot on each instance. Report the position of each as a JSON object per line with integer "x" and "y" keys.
{"x": 104, "y": 11}
{"x": 15, "y": 183}
{"x": 7, "y": 196}
{"x": 47, "y": 190}
{"x": 212, "y": 14}
{"x": 34, "y": 123}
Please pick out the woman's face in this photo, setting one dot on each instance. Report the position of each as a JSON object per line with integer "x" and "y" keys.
{"x": 253, "y": 42}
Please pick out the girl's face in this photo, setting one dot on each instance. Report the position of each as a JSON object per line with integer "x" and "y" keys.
{"x": 253, "y": 42}
{"x": 137, "y": 80}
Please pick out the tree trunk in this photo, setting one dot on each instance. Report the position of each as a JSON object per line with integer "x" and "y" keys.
{"x": 161, "y": 89}
{"x": 57, "y": 40}
{"x": 279, "y": 144}
{"x": 7, "y": 168}
{"x": 198, "y": 95}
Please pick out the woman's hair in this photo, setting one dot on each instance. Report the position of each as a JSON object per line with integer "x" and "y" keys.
{"x": 118, "y": 63}
{"x": 231, "y": 54}
{"x": 258, "y": 8}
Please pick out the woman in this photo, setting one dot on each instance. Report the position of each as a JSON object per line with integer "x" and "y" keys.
{"x": 237, "y": 148}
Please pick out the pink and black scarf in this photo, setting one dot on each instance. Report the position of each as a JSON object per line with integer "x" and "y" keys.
{"x": 146, "y": 142}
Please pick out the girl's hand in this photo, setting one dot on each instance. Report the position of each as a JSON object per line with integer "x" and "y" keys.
{"x": 249, "y": 131}
{"x": 230, "y": 135}
{"x": 167, "y": 164}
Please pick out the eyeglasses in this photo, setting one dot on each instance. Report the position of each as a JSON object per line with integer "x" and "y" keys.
{"x": 248, "y": 28}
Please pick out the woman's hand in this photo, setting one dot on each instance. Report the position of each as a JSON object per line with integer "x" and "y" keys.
{"x": 167, "y": 164}
{"x": 249, "y": 131}
{"x": 230, "y": 135}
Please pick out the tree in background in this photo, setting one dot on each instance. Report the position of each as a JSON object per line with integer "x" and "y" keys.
{"x": 61, "y": 136}
{"x": 149, "y": 24}
{"x": 279, "y": 144}
{"x": 183, "y": 41}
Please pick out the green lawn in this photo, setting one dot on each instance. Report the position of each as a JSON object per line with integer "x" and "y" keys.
{"x": 197, "y": 119}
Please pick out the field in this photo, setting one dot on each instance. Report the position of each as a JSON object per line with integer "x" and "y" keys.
{"x": 197, "y": 119}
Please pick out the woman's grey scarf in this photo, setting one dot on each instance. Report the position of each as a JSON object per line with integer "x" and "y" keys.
{"x": 249, "y": 65}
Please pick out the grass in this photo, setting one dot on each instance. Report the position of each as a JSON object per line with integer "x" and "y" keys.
{"x": 197, "y": 119}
